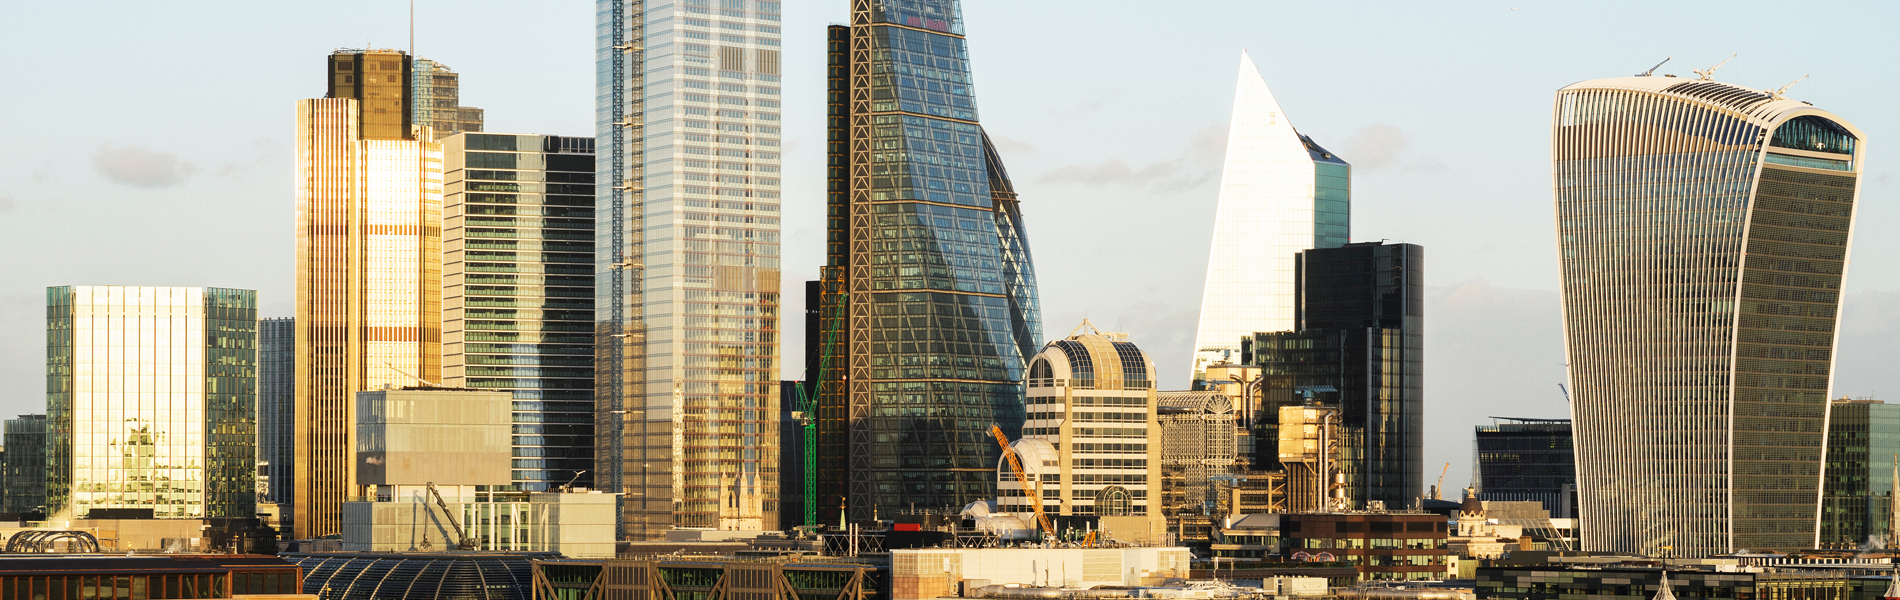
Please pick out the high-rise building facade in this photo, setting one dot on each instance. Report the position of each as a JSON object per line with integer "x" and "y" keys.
{"x": 436, "y": 93}
{"x": 151, "y": 401}
{"x": 25, "y": 465}
{"x": 929, "y": 309}
{"x": 369, "y": 266}
{"x": 1091, "y": 400}
{"x": 1280, "y": 193}
{"x": 518, "y": 292}
{"x": 1863, "y": 437}
{"x": 687, "y": 262}
{"x": 1703, "y": 229}
{"x": 1360, "y": 328}
{"x": 276, "y": 409}
{"x": 1527, "y": 460}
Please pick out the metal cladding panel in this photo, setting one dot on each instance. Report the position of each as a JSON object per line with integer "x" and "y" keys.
{"x": 1704, "y": 236}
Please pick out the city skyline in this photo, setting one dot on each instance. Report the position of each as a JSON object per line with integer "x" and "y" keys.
{"x": 1401, "y": 192}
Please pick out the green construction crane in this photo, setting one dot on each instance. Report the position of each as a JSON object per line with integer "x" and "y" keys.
{"x": 808, "y": 411}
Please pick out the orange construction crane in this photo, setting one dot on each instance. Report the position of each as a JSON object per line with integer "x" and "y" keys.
{"x": 1034, "y": 495}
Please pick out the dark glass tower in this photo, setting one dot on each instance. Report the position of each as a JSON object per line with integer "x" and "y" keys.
{"x": 25, "y": 465}
{"x": 1359, "y": 314}
{"x": 1528, "y": 460}
{"x": 928, "y": 302}
{"x": 276, "y": 409}
{"x": 1863, "y": 436}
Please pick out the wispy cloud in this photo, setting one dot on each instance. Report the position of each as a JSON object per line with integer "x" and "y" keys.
{"x": 40, "y": 175}
{"x": 1198, "y": 163}
{"x": 1009, "y": 146}
{"x": 140, "y": 166}
{"x": 7, "y": 204}
{"x": 1375, "y": 146}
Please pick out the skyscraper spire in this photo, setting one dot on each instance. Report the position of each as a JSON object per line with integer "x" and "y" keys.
{"x": 1280, "y": 193}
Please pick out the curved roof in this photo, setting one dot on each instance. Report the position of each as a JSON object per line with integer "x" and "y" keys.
{"x": 1095, "y": 360}
{"x": 1037, "y": 455}
{"x": 1759, "y": 107}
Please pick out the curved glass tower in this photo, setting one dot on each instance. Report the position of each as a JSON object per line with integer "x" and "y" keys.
{"x": 1704, "y": 228}
{"x": 1280, "y": 193}
{"x": 928, "y": 306}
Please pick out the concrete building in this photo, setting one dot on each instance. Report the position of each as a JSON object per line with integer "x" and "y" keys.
{"x": 369, "y": 266}
{"x": 1700, "y": 350}
{"x": 934, "y": 573}
{"x": 1617, "y": 580}
{"x": 1092, "y": 425}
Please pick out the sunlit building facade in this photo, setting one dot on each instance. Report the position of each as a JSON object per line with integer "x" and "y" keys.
{"x": 151, "y": 399}
{"x": 928, "y": 299}
{"x": 369, "y": 266}
{"x": 1704, "y": 232}
{"x": 518, "y": 292}
{"x": 1091, "y": 403}
{"x": 687, "y": 262}
{"x": 1280, "y": 193}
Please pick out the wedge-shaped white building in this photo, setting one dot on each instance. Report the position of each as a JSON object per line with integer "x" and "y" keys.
{"x": 1704, "y": 232}
{"x": 1280, "y": 193}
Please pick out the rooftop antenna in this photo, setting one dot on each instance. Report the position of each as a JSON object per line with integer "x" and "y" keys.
{"x": 1652, "y": 70}
{"x": 412, "y": 28}
{"x": 1784, "y": 89}
{"x": 1709, "y": 73}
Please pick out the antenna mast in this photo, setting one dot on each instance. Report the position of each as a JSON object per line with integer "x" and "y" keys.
{"x": 412, "y": 29}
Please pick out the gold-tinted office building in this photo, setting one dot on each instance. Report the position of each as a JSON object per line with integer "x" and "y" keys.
{"x": 369, "y": 266}
{"x": 151, "y": 401}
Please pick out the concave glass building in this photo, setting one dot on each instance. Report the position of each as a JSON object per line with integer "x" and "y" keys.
{"x": 1704, "y": 231}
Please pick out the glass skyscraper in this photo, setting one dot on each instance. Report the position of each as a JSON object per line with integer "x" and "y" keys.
{"x": 1863, "y": 437}
{"x": 1359, "y": 328}
{"x": 1280, "y": 193}
{"x": 24, "y": 479}
{"x": 518, "y": 292}
{"x": 369, "y": 266}
{"x": 1527, "y": 460}
{"x": 151, "y": 400}
{"x": 687, "y": 262}
{"x": 1703, "y": 229}
{"x": 928, "y": 300}
{"x": 276, "y": 409}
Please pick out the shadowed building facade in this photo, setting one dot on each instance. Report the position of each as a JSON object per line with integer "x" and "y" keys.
{"x": 928, "y": 307}
{"x": 1703, "y": 229}
{"x": 686, "y": 262}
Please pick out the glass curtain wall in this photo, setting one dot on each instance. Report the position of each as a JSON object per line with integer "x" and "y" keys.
{"x": 687, "y": 261}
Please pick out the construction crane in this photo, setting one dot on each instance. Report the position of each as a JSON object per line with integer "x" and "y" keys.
{"x": 1035, "y": 495}
{"x": 807, "y": 410}
{"x": 463, "y": 542}
{"x": 1438, "y": 491}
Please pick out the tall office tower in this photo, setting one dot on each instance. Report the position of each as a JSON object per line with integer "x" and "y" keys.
{"x": 1360, "y": 328}
{"x": 1863, "y": 437}
{"x": 151, "y": 401}
{"x": 1091, "y": 408}
{"x": 1280, "y": 193}
{"x": 929, "y": 299}
{"x": 437, "y": 100}
{"x": 1527, "y": 460}
{"x": 369, "y": 267}
{"x": 25, "y": 465}
{"x": 687, "y": 262}
{"x": 518, "y": 292}
{"x": 276, "y": 409}
{"x": 1704, "y": 232}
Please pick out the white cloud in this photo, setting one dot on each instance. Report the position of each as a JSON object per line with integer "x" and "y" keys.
{"x": 140, "y": 166}
{"x": 1375, "y": 146}
{"x": 1197, "y": 164}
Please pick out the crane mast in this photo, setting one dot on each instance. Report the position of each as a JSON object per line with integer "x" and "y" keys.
{"x": 1035, "y": 498}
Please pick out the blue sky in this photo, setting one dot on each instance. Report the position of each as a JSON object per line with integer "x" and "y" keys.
{"x": 150, "y": 144}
